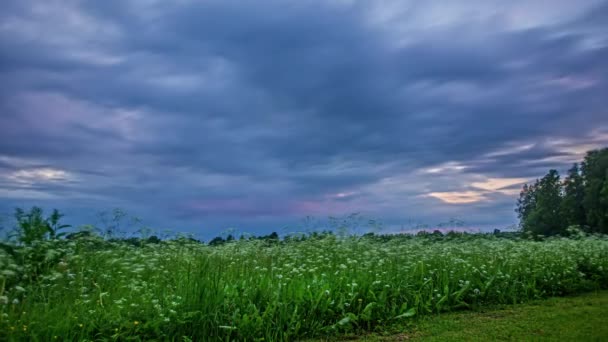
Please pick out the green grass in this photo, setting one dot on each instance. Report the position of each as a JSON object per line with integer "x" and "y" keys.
{"x": 579, "y": 318}
{"x": 253, "y": 290}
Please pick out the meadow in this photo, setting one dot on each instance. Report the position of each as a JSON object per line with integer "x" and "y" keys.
{"x": 323, "y": 286}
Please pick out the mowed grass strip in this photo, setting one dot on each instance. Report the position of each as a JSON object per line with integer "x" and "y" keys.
{"x": 578, "y": 318}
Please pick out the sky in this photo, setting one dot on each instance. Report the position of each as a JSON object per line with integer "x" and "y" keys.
{"x": 204, "y": 116}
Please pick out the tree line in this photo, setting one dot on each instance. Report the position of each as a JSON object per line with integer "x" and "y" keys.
{"x": 552, "y": 206}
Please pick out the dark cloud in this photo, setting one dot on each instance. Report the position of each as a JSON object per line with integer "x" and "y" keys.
{"x": 258, "y": 113}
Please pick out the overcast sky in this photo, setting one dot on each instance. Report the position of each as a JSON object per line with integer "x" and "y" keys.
{"x": 199, "y": 116}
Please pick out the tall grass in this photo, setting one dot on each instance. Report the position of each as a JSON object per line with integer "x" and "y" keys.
{"x": 252, "y": 290}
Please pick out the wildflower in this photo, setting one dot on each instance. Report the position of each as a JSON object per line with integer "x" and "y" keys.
{"x": 135, "y": 322}
{"x": 3, "y": 300}
{"x": 15, "y": 301}
{"x": 19, "y": 288}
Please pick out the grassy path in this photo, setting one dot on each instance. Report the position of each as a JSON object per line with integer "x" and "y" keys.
{"x": 579, "y": 318}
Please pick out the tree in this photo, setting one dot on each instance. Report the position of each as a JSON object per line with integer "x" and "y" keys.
{"x": 539, "y": 206}
{"x": 572, "y": 209}
{"x": 526, "y": 203}
{"x": 595, "y": 201}
{"x": 548, "y": 207}
{"x": 216, "y": 241}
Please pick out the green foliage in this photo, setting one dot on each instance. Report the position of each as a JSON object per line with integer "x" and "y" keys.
{"x": 595, "y": 175}
{"x": 89, "y": 288}
{"x": 549, "y": 207}
{"x": 526, "y": 202}
{"x": 271, "y": 238}
{"x": 32, "y": 226}
{"x": 539, "y": 206}
{"x": 572, "y": 209}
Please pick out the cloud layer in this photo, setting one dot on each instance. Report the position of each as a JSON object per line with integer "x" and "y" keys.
{"x": 201, "y": 116}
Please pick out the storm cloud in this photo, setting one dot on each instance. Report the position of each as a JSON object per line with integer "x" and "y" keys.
{"x": 199, "y": 116}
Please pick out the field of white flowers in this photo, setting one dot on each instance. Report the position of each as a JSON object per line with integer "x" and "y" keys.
{"x": 91, "y": 289}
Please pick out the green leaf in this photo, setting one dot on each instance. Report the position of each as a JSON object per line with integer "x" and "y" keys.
{"x": 409, "y": 313}
{"x": 367, "y": 311}
{"x": 227, "y": 327}
{"x": 344, "y": 321}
